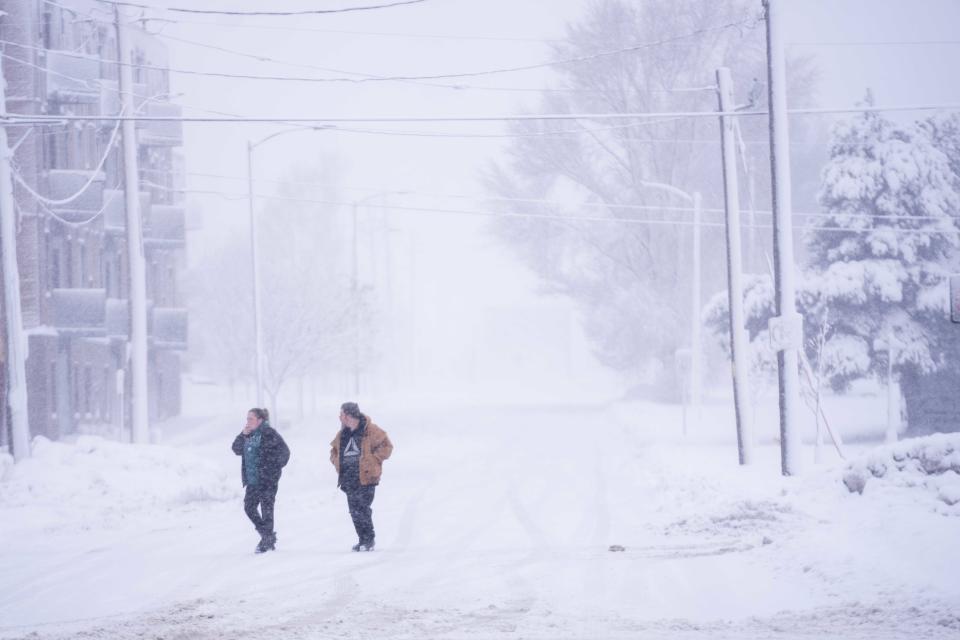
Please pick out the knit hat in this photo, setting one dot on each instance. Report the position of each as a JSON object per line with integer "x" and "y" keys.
{"x": 351, "y": 409}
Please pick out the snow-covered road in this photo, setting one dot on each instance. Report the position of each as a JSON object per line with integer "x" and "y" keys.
{"x": 490, "y": 523}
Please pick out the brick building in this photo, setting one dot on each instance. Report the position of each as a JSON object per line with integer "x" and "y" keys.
{"x": 58, "y": 59}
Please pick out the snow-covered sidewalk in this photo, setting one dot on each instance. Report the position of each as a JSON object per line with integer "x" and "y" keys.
{"x": 491, "y": 523}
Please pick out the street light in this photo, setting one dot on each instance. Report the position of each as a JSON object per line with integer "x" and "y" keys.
{"x": 355, "y": 287}
{"x": 255, "y": 265}
{"x": 693, "y": 198}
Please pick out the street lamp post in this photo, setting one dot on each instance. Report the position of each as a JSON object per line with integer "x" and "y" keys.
{"x": 695, "y": 200}
{"x": 255, "y": 264}
{"x": 355, "y": 287}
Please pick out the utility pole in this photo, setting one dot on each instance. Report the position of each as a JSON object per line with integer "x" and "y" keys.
{"x": 738, "y": 338}
{"x": 137, "y": 271}
{"x": 16, "y": 341}
{"x": 786, "y": 330}
{"x": 255, "y": 265}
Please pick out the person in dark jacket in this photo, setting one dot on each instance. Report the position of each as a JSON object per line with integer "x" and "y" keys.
{"x": 264, "y": 454}
{"x": 357, "y": 453}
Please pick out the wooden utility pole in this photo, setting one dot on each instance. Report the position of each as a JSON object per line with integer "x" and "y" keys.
{"x": 786, "y": 329}
{"x": 738, "y": 338}
{"x": 137, "y": 267}
{"x": 16, "y": 341}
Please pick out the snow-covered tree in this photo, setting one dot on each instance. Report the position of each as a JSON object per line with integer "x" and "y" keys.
{"x": 632, "y": 280}
{"x": 310, "y": 315}
{"x": 878, "y": 262}
{"x": 880, "y": 265}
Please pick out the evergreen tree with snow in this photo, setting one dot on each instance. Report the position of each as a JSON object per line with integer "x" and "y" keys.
{"x": 880, "y": 262}
{"x": 877, "y": 267}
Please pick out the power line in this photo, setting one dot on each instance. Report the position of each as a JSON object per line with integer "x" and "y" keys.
{"x": 104, "y": 85}
{"x": 369, "y": 76}
{"x": 389, "y": 34}
{"x": 334, "y": 203}
{"x": 398, "y": 3}
{"x": 20, "y": 117}
{"x": 93, "y": 175}
{"x": 265, "y": 27}
{"x": 81, "y": 223}
{"x": 559, "y": 133}
{"x": 600, "y": 205}
{"x": 874, "y": 43}
{"x": 457, "y": 86}
{"x": 397, "y": 78}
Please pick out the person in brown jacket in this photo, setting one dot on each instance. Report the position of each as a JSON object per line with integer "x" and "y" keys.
{"x": 357, "y": 453}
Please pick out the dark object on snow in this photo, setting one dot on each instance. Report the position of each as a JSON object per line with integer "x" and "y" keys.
{"x": 854, "y": 481}
{"x": 263, "y": 456}
{"x": 267, "y": 543}
{"x": 357, "y": 453}
{"x": 617, "y": 547}
{"x": 272, "y": 457}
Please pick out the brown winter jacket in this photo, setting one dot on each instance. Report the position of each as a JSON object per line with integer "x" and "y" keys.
{"x": 374, "y": 449}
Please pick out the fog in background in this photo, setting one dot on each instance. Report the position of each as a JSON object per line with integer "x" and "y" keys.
{"x": 448, "y": 309}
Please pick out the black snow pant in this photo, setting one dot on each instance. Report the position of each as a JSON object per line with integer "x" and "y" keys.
{"x": 359, "y": 500}
{"x": 262, "y": 497}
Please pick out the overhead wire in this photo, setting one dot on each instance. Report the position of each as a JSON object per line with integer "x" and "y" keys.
{"x": 335, "y": 203}
{"x": 302, "y": 12}
{"x": 458, "y": 86}
{"x": 874, "y": 43}
{"x": 80, "y": 223}
{"x": 12, "y": 117}
{"x": 388, "y": 34}
{"x": 93, "y": 176}
{"x": 439, "y": 76}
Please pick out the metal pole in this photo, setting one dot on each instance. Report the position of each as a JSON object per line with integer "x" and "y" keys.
{"x": 356, "y": 308}
{"x": 738, "y": 338}
{"x": 696, "y": 379}
{"x": 787, "y": 327}
{"x": 892, "y": 412}
{"x": 255, "y": 266}
{"x": 16, "y": 341}
{"x": 137, "y": 267}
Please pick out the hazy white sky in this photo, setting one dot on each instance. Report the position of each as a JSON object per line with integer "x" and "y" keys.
{"x": 460, "y": 274}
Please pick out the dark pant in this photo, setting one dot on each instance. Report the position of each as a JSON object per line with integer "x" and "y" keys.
{"x": 262, "y": 497}
{"x": 359, "y": 500}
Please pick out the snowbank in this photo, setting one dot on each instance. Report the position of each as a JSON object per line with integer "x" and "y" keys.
{"x": 931, "y": 463}
{"x": 104, "y": 477}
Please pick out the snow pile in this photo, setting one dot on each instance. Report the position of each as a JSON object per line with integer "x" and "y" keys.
{"x": 931, "y": 463}
{"x": 110, "y": 477}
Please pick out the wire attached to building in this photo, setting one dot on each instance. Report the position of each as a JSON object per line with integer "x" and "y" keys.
{"x": 80, "y": 223}
{"x": 93, "y": 175}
